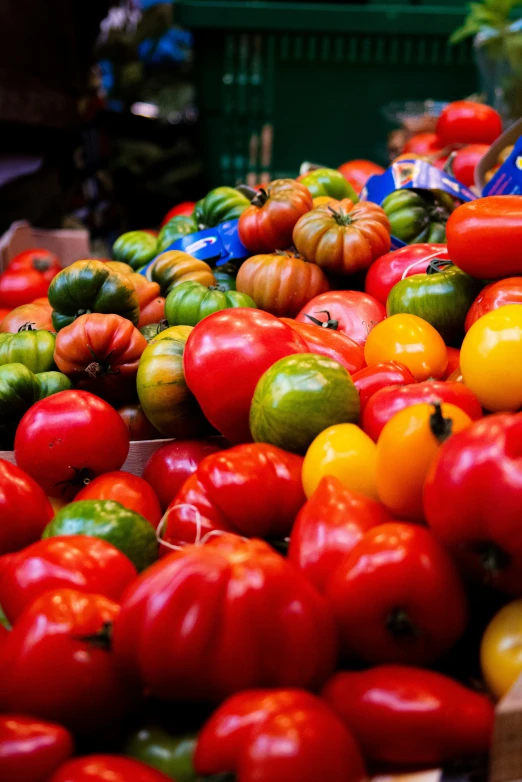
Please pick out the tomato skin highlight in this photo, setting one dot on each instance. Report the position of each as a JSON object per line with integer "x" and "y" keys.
{"x": 31, "y": 749}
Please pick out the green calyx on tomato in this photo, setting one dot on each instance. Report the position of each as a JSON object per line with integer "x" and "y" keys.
{"x": 190, "y": 302}
{"x": 91, "y": 286}
{"x": 128, "y": 531}
{"x": 331, "y": 323}
{"x": 218, "y": 206}
{"x": 30, "y": 347}
{"x": 299, "y": 397}
{"x": 136, "y": 248}
{"x": 442, "y": 296}
{"x": 329, "y": 182}
{"x": 152, "y": 330}
{"x": 172, "y": 755}
{"x": 417, "y": 217}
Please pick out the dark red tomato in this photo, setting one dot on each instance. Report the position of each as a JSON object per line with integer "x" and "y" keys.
{"x": 385, "y": 403}
{"x": 77, "y": 561}
{"x": 392, "y": 267}
{"x": 170, "y": 466}
{"x": 327, "y": 342}
{"x": 184, "y": 208}
{"x": 425, "y": 144}
{"x": 358, "y": 172}
{"x": 353, "y": 313}
{"x": 267, "y": 224}
{"x": 65, "y": 440}
{"x": 30, "y": 749}
{"x": 466, "y": 122}
{"x": 60, "y": 667}
{"x": 493, "y": 296}
{"x": 465, "y": 162}
{"x": 371, "y": 379}
{"x": 107, "y": 768}
{"x": 43, "y": 261}
{"x": 139, "y": 426}
{"x": 22, "y": 287}
{"x": 129, "y": 490}
{"x": 25, "y": 510}
{"x": 453, "y": 362}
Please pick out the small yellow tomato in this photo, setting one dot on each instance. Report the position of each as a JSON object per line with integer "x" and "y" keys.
{"x": 412, "y": 341}
{"x": 347, "y": 453}
{"x": 501, "y": 649}
{"x": 490, "y": 359}
{"x": 405, "y": 450}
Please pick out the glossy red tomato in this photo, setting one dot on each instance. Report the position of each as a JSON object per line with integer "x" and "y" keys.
{"x": 21, "y": 287}
{"x": 43, "y": 261}
{"x": 139, "y": 426}
{"x": 267, "y": 224}
{"x": 371, "y": 379}
{"x": 59, "y": 666}
{"x": 76, "y": 561}
{"x": 358, "y": 172}
{"x": 493, "y": 296}
{"x": 352, "y": 313}
{"x": 392, "y": 267}
{"x": 30, "y": 749}
{"x": 169, "y": 467}
{"x": 25, "y": 510}
{"x": 184, "y": 208}
{"x": 129, "y": 490}
{"x": 425, "y": 144}
{"x": 107, "y": 768}
{"x": 465, "y": 162}
{"x": 327, "y": 342}
{"x": 453, "y": 362}
{"x": 67, "y": 439}
{"x": 385, "y": 403}
{"x": 466, "y": 122}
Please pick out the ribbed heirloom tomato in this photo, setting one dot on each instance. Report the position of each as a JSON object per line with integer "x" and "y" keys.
{"x": 267, "y": 224}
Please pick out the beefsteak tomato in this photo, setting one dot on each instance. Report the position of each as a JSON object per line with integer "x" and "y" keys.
{"x": 267, "y": 223}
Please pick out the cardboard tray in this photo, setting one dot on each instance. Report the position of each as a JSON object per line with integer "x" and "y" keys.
{"x": 490, "y": 158}
{"x": 69, "y": 245}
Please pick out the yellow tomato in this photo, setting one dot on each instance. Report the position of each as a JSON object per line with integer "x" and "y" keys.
{"x": 322, "y": 200}
{"x": 501, "y": 649}
{"x": 410, "y": 340}
{"x": 57, "y": 503}
{"x": 490, "y": 359}
{"x": 405, "y": 450}
{"x": 347, "y": 453}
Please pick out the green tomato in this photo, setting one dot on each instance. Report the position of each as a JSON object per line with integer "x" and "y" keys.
{"x": 220, "y": 205}
{"x": 136, "y": 248}
{"x": 152, "y": 330}
{"x": 415, "y": 217}
{"x": 30, "y": 347}
{"x": 329, "y": 182}
{"x": 91, "y": 286}
{"x": 50, "y": 383}
{"x": 126, "y": 530}
{"x": 225, "y": 277}
{"x": 187, "y": 304}
{"x": 18, "y": 391}
{"x": 179, "y": 226}
{"x": 172, "y": 755}
{"x": 299, "y": 397}
{"x": 442, "y": 297}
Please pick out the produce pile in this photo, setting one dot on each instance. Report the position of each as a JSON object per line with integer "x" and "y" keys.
{"x": 318, "y": 576}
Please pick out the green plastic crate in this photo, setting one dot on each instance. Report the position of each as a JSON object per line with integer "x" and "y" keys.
{"x": 283, "y": 82}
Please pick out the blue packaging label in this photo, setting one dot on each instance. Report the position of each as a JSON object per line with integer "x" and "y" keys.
{"x": 410, "y": 175}
{"x": 508, "y": 179}
{"x": 214, "y": 245}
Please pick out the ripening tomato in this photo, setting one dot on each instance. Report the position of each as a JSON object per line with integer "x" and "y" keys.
{"x": 358, "y": 172}
{"x": 405, "y": 449}
{"x": 489, "y": 359}
{"x": 410, "y": 340}
{"x": 345, "y": 452}
{"x": 467, "y": 122}
{"x": 129, "y": 490}
{"x": 501, "y": 649}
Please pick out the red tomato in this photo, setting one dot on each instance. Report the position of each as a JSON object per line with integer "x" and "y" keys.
{"x": 485, "y": 237}
{"x": 43, "y": 261}
{"x": 184, "y": 208}
{"x": 465, "y": 162}
{"x": 25, "y": 510}
{"x": 57, "y": 671}
{"x": 169, "y": 467}
{"x": 153, "y": 312}
{"x": 392, "y": 267}
{"x": 267, "y": 224}
{"x": 327, "y": 342}
{"x": 234, "y": 347}
{"x": 107, "y": 768}
{"x": 21, "y": 287}
{"x": 30, "y": 750}
{"x": 76, "y": 561}
{"x": 37, "y": 314}
{"x": 352, "y": 313}
{"x": 139, "y": 426}
{"x": 329, "y": 526}
{"x": 385, "y": 403}
{"x": 3, "y": 312}
{"x": 398, "y": 597}
{"x": 129, "y": 490}
{"x": 453, "y": 362}
{"x": 358, "y": 172}
{"x": 371, "y": 379}
{"x": 68, "y": 438}
{"x": 493, "y": 296}
{"x": 424, "y": 144}
{"x": 466, "y": 122}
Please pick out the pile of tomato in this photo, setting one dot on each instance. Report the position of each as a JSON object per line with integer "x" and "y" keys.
{"x": 319, "y": 573}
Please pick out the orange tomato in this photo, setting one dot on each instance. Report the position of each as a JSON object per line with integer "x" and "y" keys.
{"x": 412, "y": 341}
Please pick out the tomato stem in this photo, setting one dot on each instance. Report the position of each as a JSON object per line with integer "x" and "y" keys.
{"x": 331, "y": 324}
{"x": 399, "y": 624}
{"x": 40, "y": 264}
{"x": 493, "y": 558}
{"x": 28, "y": 327}
{"x": 340, "y": 216}
{"x": 100, "y": 640}
{"x": 440, "y": 427}
{"x": 261, "y": 198}
{"x": 438, "y": 265}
